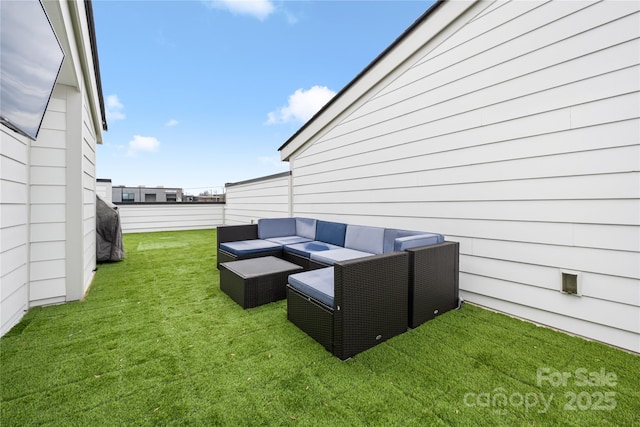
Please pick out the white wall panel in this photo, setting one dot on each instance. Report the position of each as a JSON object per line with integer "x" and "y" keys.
{"x": 141, "y": 218}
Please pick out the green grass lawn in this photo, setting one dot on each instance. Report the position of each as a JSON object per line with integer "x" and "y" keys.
{"x": 156, "y": 342}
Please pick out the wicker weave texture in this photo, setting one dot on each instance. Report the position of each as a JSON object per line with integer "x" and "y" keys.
{"x": 311, "y": 317}
{"x": 433, "y": 288}
{"x": 371, "y": 296}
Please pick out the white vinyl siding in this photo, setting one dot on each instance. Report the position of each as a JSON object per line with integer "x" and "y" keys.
{"x": 255, "y": 199}
{"x": 89, "y": 143}
{"x": 516, "y": 133}
{"x": 14, "y": 294}
{"x": 142, "y": 218}
{"x": 48, "y": 195}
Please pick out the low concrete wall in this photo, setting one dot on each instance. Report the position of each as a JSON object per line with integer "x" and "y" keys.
{"x": 149, "y": 217}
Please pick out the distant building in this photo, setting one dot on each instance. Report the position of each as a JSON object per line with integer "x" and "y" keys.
{"x": 143, "y": 194}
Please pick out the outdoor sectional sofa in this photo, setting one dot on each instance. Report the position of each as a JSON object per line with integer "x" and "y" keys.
{"x": 361, "y": 285}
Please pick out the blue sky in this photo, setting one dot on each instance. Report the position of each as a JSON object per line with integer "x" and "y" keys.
{"x": 200, "y": 93}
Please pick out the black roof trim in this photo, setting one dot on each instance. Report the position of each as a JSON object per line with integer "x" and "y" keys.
{"x": 96, "y": 62}
{"x": 378, "y": 58}
{"x": 262, "y": 178}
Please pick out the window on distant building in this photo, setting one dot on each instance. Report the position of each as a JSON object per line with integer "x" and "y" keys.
{"x": 171, "y": 197}
{"x": 128, "y": 197}
{"x": 149, "y": 197}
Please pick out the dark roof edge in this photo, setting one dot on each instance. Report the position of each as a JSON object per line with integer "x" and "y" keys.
{"x": 96, "y": 62}
{"x": 262, "y": 178}
{"x": 103, "y": 179}
{"x": 372, "y": 64}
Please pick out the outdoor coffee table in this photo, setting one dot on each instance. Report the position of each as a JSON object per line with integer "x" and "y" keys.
{"x": 256, "y": 281}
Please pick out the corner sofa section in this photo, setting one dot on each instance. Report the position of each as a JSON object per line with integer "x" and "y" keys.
{"x": 361, "y": 284}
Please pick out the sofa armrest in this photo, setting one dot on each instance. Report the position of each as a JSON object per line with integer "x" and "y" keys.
{"x": 370, "y": 301}
{"x": 434, "y": 281}
{"x": 233, "y": 233}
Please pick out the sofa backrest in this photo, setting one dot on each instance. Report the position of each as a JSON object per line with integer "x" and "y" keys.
{"x": 276, "y": 227}
{"x": 306, "y": 227}
{"x": 400, "y": 240}
{"x": 365, "y": 239}
{"x": 331, "y": 232}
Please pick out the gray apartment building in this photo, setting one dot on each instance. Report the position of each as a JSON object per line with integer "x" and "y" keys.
{"x": 143, "y": 194}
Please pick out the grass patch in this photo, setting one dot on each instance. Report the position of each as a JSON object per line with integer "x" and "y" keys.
{"x": 157, "y": 343}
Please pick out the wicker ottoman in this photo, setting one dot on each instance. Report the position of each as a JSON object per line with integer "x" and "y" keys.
{"x": 256, "y": 281}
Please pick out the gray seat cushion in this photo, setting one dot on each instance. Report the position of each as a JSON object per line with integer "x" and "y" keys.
{"x": 307, "y": 248}
{"x": 334, "y": 255}
{"x": 306, "y": 227}
{"x": 249, "y": 247}
{"x": 317, "y": 284}
{"x": 276, "y": 227}
{"x": 365, "y": 239}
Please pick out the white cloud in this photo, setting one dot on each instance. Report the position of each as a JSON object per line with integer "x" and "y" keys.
{"x": 260, "y": 9}
{"x": 273, "y": 161}
{"x": 142, "y": 143}
{"x": 114, "y": 109}
{"x": 302, "y": 105}
{"x": 172, "y": 122}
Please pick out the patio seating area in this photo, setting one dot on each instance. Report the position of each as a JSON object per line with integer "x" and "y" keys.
{"x": 156, "y": 342}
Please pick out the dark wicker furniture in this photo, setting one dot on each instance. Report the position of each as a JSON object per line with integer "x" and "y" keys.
{"x": 370, "y": 305}
{"x": 433, "y": 281}
{"x": 256, "y": 281}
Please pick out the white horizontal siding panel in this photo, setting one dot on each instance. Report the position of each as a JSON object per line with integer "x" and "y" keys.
{"x": 48, "y": 213}
{"x": 620, "y": 316}
{"x": 12, "y": 147}
{"x": 497, "y": 47}
{"x": 494, "y": 87}
{"x": 584, "y": 214}
{"x": 44, "y": 251}
{"x": 12, "y": 170}
{"x": 52, "y": 138}
{"x": 47, "y": 157}
{"x": 54, "y": 120}
{"x": 48, "y": 194}
{"x": 608, "y": 85}
{"x": 614, "y": 263}
{"x": 597, "y": 286}
{"x": 12, "y": 215}
{"x": 45, "y": 270}
{"x": 12, "y": 258}
{"x": 458, "y": 132}
{"x": 550, "y": 153}
{"x": 604, "y": 333}
{"x": 48, "y": 175}
{"x": 13, "y": 192}
{"x": 484, "y": 22}
{"x": 433, "y": 171}
{"x": 47, "y": 232}
{"x": 503, "y": 64}
{"x": 42, "y": 290}
{"x": 13, "y": 281}
{"x": 13, "y": 237}
{"x": 611, "y": 186}
{"x": 538, "y": 135}
{"x": 12, "y": 308}
{"x": 616, "y": 108}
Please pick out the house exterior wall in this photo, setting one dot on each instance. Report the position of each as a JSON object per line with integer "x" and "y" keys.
{"x": 47, "y": 205}
{"x": 143, "y": 217}
{"x": 513, "y": 129}
{"x": 266, "y": 197}
{"x": 14, "y": 228}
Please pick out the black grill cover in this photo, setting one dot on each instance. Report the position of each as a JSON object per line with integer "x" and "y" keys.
{"x": 109, "y": 245}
